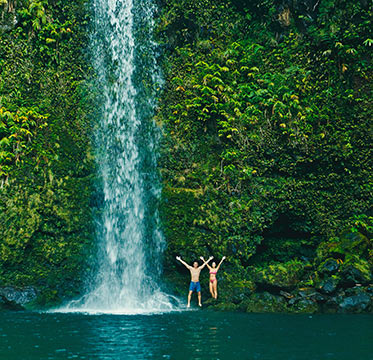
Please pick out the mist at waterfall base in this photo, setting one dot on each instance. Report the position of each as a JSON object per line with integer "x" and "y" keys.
{"x": 130, "y": 243}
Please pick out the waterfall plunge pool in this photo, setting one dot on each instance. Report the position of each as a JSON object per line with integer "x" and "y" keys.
{"x": 200, "y": 334}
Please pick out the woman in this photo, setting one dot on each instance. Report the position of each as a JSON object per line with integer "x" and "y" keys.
{"x": 213, "y": 283}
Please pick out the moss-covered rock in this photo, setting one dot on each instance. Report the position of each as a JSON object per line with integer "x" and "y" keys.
{"x": 281, "y": 276}
{"x": 266, "y": 302}
{"x": 329, "y": 285}
{"x": 355, "y": 271}
{"x": 348, "y": 243}
{"x": 329, "y": 266}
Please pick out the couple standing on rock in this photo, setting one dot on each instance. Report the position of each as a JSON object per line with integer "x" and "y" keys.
{"x": 195, "y": 270}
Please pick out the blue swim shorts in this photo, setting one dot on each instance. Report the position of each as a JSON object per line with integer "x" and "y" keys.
{"x": 195, "y": 286}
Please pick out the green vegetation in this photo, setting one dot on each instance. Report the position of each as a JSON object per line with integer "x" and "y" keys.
{"x": 267, "y": 118}
{"x": 266, "y": 114}
{"x": 45, "y": 162}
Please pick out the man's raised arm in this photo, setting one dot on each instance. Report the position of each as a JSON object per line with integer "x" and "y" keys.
{"x": 183, "y": 262}
{"x": 205, "y": 261}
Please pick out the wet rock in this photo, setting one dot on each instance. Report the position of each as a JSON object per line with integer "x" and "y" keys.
{"x": 328, "y": 286}
{"x": 311, "y": 294}
{"x": 355, "y": 274}
{"x": 319, "y": 298}
{"x": 306, "y": 306}
{"x": 349, "y": 243}
{"x": 356, "y": 290}
{"x": 330, "y": 305}
{"x": 357, "y": 303}
{"x": 332, "y": 301}
{"x": 239, "y": 295}
{"x": 292, "y": 301}
{"x": 306, "y": 292}
{"x": 286, "y": 294}
{"x": 18, "y": 296}
{"x": 267, "y": 296}
{"x": 369, "y": 290}
{"x": 6, "y": 304}
{"x": 302, "y": 302}
{"x": 330, "y": 266}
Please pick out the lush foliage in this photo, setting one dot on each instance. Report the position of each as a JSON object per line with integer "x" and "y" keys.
{"x": 45, "y": 165}
{"x": 266, "y": 117}
{"x": 266, "y": 114}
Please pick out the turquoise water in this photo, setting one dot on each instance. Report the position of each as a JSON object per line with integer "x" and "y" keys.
{"x": 185, "y": 335}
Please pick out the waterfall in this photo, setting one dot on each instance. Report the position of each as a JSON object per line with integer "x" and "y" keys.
{"x": 130, "y": 242}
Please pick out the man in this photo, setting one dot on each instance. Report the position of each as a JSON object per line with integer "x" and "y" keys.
{"x": 195, "y": 270}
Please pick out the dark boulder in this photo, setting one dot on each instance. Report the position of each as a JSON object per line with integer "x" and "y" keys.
{"x": 354, "y": 274}
{"x": 238, "y": 295}
{"x": 306, "y": 292}
{"x": 306, "y": 306}
{"x": 319, "y": 298}
{"x": 18, "y": 296}
{"x": 356, "y": 290}
{"x": 349, "y": 243}
{"x": 303, "y": 302}
{"x": 311, "y": 294}
{"x": 293, "y": 300}
{"x": 286, "y": 295}
{"x": 357, "y": 303}
{"x": 332, "y": 302}
{"x": 328, "y": 286}
{"x": 266, "y": 302}
{"x": 6, "y": 304}
{"x": 369, "y": 290}
{"x": 330, "y": 266}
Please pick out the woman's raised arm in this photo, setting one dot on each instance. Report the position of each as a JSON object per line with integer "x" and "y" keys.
{"x": 205, "y": 262}
{"x": 223, "y": 258}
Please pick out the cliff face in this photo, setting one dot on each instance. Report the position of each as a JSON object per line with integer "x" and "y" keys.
{"x": 45, "y": 161}
{"x": 265, "y": 156}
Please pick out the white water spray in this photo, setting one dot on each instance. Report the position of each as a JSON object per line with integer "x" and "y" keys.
{"x": 128, "y": 231}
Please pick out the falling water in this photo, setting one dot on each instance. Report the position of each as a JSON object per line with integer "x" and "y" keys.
{"x": 129, "y": 237}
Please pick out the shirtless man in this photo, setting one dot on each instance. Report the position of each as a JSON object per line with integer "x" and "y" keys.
{"x": 195, "y": 270}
